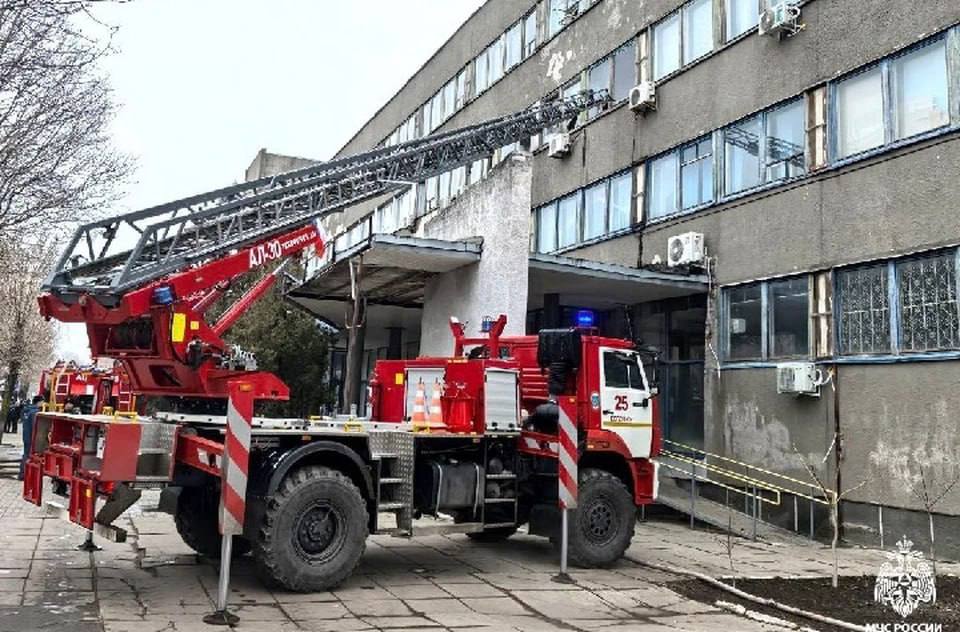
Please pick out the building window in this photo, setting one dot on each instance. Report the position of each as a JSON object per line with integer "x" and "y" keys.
{"x": 744, "y": 322}
{"x": 621, "y": 201}
{"x": 436, "y": 111}
{"x": 742, "y": 15}
{"x": 903, "y": 306}
{"x": 600, "y": 209}
{"x": 741, "y": 158}
{"x": 530, "y": 34}
{"x": 860, "y": 113}
{"x": 568, "y": 220}
{"x": 556, "y": 10}
{"x": 461, "y": 98}
{"x": 929, "y": 314}
{"x": 785, "y": 154}
{"x": 482, "y": 74}
{"x": 495, "y": 61}
{"x": 683, "y": 37}
{"x": 765, "y": 148}
{"x": 696, "y": 173}
{"x": 514, "y": 45}
{"x": 595, "y": 210}
{"x": 697, "y": 29}
{"x": 768, "y": 320}
{"x": 598, "y": 78}
{"x": 918, "y": 83}
{"x": 915, "y": 96}
{"x": 662, "y": 186}
{"x": 624, "y": 71}
{"x": 449, "y": 99}
{"x": 864, "y": 313}
{"x": 666, "y": 46}
{"x": 789, "y": 318}
{"x": 547, "y": 228}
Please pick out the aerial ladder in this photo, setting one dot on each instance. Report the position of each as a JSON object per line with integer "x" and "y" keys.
{"x": 141, "y": 282}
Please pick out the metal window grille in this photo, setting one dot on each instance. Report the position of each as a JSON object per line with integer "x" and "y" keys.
{"x": 929, "y": 316}
{"x": 864, "y": 310}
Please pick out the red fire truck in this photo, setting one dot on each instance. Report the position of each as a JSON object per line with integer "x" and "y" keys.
{"x": 483, "y": 462}
{"x": 91, "y": 388}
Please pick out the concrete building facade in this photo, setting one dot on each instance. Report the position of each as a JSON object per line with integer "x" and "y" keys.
{"x": 819, "y": 166}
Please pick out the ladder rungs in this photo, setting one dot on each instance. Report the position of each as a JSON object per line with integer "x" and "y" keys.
{"x": 491, "y": 501}
{"x": 501, "y": 477}
{"x": 499, "y": 525}
{"x": 390, "y": 506}
{"x": 391, "y": 481}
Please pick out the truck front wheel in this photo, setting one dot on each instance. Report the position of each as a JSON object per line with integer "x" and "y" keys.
{"x": 313, "y": 533}
{"x": 601, "y": 527}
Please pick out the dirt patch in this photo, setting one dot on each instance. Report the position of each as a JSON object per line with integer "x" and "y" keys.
{"x": 852, "y": 601}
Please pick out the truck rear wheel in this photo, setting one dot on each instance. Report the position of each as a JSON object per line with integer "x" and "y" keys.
{"x": 196, "y": 520}
{"x": 601, "y": 526}
{"x": 313, "y": 533}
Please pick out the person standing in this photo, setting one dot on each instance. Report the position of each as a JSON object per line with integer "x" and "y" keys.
{"x": 13, "y": 417}
{"x": 27, "y": 417}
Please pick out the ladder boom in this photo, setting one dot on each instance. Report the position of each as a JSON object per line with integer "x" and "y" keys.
{"x": 109, "y": 257}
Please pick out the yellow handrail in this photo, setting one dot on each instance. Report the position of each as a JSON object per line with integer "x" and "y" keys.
{"x": 755, "y": 482}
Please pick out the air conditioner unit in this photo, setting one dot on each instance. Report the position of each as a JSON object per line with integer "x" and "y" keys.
{"x": 799, "y": 378}
{"x": 560, "y": 145}
{"x": 643, "y": 97}
{"x": 685, "y": 249}
{"x": 781, "y": 18}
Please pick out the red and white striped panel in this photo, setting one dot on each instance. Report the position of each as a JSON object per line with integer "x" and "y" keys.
{"x": 568, "y": 453}
{"x": 236, "y": 459}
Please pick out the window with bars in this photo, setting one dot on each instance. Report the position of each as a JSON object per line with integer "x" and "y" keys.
{"x": 929, "y": 316}
{"x": 903, "y": 306}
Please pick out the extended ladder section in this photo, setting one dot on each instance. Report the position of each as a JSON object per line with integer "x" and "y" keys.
{"x": 109, "y": 257}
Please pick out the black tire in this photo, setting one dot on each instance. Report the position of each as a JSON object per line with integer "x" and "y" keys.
{"x": 314, "y": 531}
{"x": 498, "y": 534}
{"x": 601, "y": 526}
{"x": 197, "y": 523}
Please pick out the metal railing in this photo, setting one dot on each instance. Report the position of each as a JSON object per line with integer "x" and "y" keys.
{"x": 744, "y": 480}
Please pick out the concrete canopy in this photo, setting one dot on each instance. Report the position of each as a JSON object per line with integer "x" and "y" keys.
{"x": 603, "y": 285}
{"x": 395, "y": 271}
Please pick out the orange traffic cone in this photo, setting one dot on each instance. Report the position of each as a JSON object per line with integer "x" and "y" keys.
{"x": 436, "y": 412}
{"x": 419, "y": 416}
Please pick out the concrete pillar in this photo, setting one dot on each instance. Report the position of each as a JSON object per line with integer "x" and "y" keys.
{"x": 552, "y": 313}
{"x": 395, "y": 343}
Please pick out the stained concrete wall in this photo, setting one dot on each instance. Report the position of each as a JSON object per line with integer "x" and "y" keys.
{"x": 497, "y": 211}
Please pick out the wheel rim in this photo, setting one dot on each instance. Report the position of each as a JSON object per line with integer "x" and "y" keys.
{"x": 319, "y": 533}
{"x": 599, "y": 521}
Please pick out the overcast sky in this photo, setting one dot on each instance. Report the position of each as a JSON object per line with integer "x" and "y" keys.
{"x": 204, "y": 84}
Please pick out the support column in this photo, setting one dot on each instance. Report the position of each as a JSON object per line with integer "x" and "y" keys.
{"x": 552, "y": 313}
{"x": 395, "y": 343}
{"x": 355, "y": 338}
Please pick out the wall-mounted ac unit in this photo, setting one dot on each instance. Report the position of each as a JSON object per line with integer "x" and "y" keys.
{"x": 685, "y": 249}
{"x": 781, "y": 18}
{"x": 560, "y": 145}
{"x": 799, "y": 378}
{"x": 643, "y": 97}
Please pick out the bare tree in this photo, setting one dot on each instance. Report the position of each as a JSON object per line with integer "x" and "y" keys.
{"x": 26, "y": 339}
{"x": 833, "y": 494}
{"x": 923, "y": 490}
{"x": 57, "y": 163}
